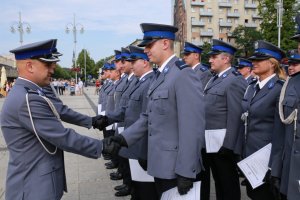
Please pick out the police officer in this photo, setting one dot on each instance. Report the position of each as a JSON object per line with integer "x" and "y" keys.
{"x": 223, "y": 95}
{"x": 289, "y": 114}
{"x": 244, "y": 66}
{"x": 261, "y": 118}
{"x": 33, "y": 131}
{"x": 174, "y": 120}
{"x": 192, "y": 57}
{"x": 137, "y": 104}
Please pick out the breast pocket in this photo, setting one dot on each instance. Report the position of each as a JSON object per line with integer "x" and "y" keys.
{"x": 160, "y": 101}
{"x": 215, "y": 95}
{"x": 135, "y": 102}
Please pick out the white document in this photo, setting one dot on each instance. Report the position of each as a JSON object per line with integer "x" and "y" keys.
{"x": 138, "y": 173}
{"x": 110, "y": 127}
{"x": 255, "y": 166}
{"x": 99, "y": 108}
{"x": 102, "y": 113}
{"x": 193, "y": 194}
{"x": 120, "y": 129}
{"x": 214, "y": 140}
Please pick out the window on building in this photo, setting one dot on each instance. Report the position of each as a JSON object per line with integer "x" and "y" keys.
{"x": 209, "y": 30}
{"x": 229, "y": 21}
{"x": 246, "y": 20}
{"x": 236, "y": 1}
{"x": 246, "y": 11}
{"x": 220, "y": 30}
{"x": 236, "y": 10}
{"x": 220, "y": 19}
{"x": 220, "y": 10}
{"x": 209, "y": 10}
{"x": 209, "y": 19}
{"x": 193, "y": 9}
{"x": 193, "y": 19}
{"x": 201, "y": 10}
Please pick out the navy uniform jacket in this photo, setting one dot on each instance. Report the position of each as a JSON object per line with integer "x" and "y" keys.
{"x": 110, "y": 98}
{"x": 291, "y": 156}
{"x": 223, "y": 110}
{"x": 204, "y": 73}
{"x": 104, "y": 93}
{"x": 32, "y": 173}
{"x": 264, "y": 122}
{"x": 174, "y": 122}
{"x": 66, "y": 114}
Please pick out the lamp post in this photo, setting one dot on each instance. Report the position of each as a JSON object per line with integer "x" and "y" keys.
{"x": 74, "y": 27}
{"x": 279, "y": 7}
{"x": 19, "y": 26}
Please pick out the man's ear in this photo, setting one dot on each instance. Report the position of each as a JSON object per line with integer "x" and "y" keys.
{"x": 29, "y": 66}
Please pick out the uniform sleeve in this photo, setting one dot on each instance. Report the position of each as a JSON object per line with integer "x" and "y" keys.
{"x": 50, "y": 129}
{"x": 234, "y": 97}
{"x": 278, "y": 136}
{"x": 191, "y": 122}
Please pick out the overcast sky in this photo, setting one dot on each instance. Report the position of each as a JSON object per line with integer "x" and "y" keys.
{"x": 108, "y": 24}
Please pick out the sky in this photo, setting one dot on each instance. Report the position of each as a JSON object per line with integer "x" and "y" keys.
{"x": 108, "y": 24}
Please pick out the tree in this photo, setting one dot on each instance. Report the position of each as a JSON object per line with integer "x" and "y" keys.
{"x": 90, "y": 64}
{"x": 267, "y": 9}
{"x": 60, "y": 72}
{"x": 204, "y": 56}
{"x": 245, "y": 38}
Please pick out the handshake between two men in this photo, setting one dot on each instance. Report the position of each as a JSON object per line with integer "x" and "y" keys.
{"x": 113, "y": 144}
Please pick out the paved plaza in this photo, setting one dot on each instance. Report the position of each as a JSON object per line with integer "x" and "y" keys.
{"x": 87, "y": 178}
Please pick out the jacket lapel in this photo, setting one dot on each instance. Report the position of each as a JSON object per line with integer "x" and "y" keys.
{"x": 265, "y": 90}
{"x": 211, "y": 84}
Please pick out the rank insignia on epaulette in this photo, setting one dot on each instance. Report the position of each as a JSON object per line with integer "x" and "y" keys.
{"x": 203, "y": 69}
{"x": 237, "y": 73}
{"x": 280, "y": 81}
{"x": 224, "y": 75}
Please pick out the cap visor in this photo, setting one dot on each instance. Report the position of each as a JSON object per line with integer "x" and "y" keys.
{"x": 146, "y": 42}
{"x": 293, "y": 61}
{"x": 52, "y": 59}
{"x": 296, "y": 37}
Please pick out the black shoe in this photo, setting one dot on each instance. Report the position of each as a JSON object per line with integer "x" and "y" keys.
{"x": 120, "y": 187}
{"x": 124, "y": 192}
{"x": 108, "y": 163}
{"x": 112, "y": 166}
{"x": 107, "y": 157}
{"x": 114, "y": 173}
{"x": 116, "y": 176}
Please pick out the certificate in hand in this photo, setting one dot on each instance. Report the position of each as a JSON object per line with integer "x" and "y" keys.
{"x": 193, "y": 194}
{"x": 214, "y": 140}
{"x": 255, "y": 166}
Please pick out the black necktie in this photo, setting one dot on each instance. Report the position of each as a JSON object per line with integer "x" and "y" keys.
{"x": 157, "y": 73}
{"x": 215, "y": 77}
{"x": 257, "y": 89}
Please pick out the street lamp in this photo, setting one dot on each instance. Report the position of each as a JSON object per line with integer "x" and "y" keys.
{"x": 279, "y": 7}
{"x": 74, "y": 27}
{"x": 19, "y": 26}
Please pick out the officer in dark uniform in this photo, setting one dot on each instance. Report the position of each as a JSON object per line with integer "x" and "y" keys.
{"x": 244, "y": 66}
{"x": 289, "y": 114}
{"x": 192, "y": 57}
{"x": 35, "y": 136}
{"x": 261, "y": 118}
{"x": 174, "y": 120}
{"x": 223, "y": 96}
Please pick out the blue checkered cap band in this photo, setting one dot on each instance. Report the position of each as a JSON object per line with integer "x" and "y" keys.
{"x": 223, "y": 49}
{"x": 191, "y": 49}
{"x": 244, "y": 63}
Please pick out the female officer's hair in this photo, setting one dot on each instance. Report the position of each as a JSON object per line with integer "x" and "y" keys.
{"x": 278, "y": 69}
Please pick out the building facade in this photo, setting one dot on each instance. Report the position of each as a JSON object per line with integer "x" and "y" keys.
{"x": 205, "y": 20}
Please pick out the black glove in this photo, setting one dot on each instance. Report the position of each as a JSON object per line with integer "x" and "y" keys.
{"x": 143, "y": 163}
{"x": 119, "y": 139}
{"x": 110, "y": 147}
{"x": 184, "y": 184}
{"x": 274, "y": 183}
{"x": 225, "y": 152}
{"x": 100, "y": 122}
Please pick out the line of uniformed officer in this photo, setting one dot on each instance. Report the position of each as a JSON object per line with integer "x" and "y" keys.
{"x": 34, "y": 134}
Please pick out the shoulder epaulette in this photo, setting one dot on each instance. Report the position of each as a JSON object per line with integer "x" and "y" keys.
{"x": 236, "y": 73}
{"x": 30, "y": 91}
{"x": 254, "y": 81}
{"x": 181, "y": 64}
{"x": 280, "y": 81}
{"x": 203, "y": 68}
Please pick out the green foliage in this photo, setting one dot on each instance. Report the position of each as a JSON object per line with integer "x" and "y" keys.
{"x": 244, "y": 39}
{"x": 206, "y": 49}
{"x": 267, "y": 9}
{"x": 90, "y": 65}
{"x": 62, "y": 73}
